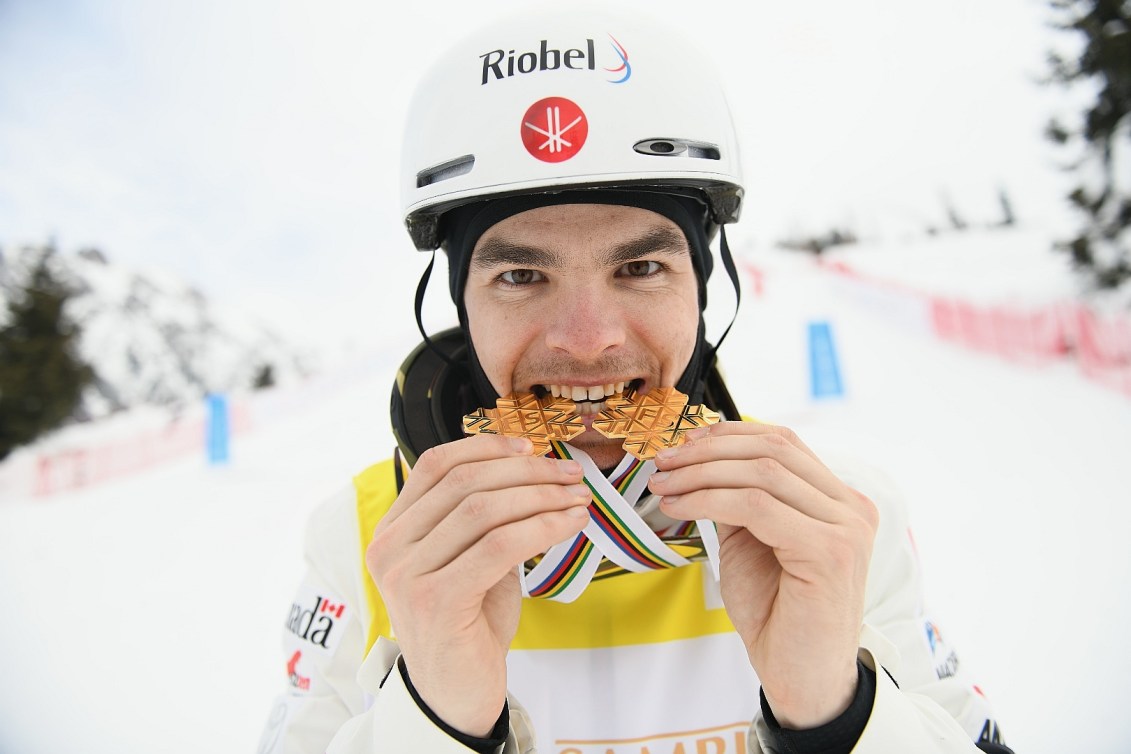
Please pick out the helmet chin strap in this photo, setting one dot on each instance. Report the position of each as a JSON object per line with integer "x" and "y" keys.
{"x": 732, "y": 273}
{"x": 693, "y": 381}
{"x": 421, "y": 288}
{"x": 484, "y": 390}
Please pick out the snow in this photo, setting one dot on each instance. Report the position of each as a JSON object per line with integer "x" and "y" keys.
{"x": 1023, "y": 270}
{"x": 145, "y": 613}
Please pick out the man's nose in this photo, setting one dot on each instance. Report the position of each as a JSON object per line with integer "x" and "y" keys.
{"x": 584, "y": 324}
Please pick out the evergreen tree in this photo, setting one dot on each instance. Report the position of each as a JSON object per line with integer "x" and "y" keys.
{"x": 1007, "y": 217}
{"x": 1103, "y": 245}
{"x": 41, "y": 376}
{"x": 264, "y": 378}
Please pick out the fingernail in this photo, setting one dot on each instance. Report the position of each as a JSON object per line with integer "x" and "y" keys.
{"x": 695, "y": 434}
{"x": 667, "y": 453}
{"x": 660, "y": 476}
{"x": 521, "y": 444}
{"x": 578, "y": 511}
{"x": 670, "y": 499}
{"x": 569, "y": 467}
{"x": 578, "y": 490}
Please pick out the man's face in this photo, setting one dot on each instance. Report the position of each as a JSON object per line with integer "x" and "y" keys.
{"x": 580, "y": 300}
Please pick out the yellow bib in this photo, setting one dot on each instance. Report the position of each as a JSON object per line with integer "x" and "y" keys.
{"x": 631, "y": 608}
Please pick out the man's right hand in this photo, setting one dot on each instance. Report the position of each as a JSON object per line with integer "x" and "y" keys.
{"x": 445, "y": 560}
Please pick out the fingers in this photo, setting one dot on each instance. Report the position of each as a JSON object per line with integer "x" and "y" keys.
{"x": 479, "y": 515}
{"x": 757, "y": 429}
{"x": 764, "y": 474}
{"x": 772, "y": 522}
{"x": 811, "y": 550}
{"x": 451, "y": 475}
{"x": 746, "y": 440}
{"x": 435, "y": 463}
{"x": 462, "y": 492}
{"x": 744, "y": 455}
{"x": 485, "y": 563}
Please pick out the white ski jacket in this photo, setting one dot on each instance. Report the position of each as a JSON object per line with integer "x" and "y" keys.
{"x": 639, "y": 664}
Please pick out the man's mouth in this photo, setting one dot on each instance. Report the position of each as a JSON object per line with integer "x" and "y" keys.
{"x": 588, "y": 400}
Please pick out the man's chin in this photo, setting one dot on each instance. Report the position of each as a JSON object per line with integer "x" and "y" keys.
{"x": 605, "y": 452}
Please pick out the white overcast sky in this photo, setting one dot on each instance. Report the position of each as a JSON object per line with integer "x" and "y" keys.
{"x": 251, "y": 146}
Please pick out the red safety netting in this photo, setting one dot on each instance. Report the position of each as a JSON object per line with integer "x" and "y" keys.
{"x": 1099, "y": 342}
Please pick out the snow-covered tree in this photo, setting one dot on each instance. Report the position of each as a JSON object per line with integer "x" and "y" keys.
{"x": 1102, "y": 136}
{"x": 41, "y": 374}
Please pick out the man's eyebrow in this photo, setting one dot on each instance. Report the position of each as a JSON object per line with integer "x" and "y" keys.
{"x": 497, "y": 252}
{"x": 655, "y": 241}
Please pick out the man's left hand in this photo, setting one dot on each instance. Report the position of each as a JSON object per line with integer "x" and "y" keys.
{"x": 795, "y": 543}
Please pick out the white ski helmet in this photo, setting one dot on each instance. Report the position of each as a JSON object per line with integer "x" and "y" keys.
{"x": 574, "y": 99}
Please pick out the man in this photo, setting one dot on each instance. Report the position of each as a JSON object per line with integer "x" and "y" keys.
{"x": 575, "y": 169}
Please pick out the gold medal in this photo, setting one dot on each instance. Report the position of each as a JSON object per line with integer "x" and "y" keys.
{"x": 647, "y": 423}
{"x": 540, "y": 420}
{"x": 651, "y": 422}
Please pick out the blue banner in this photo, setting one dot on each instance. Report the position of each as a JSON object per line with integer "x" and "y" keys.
{"x": 824, "y": 368}
{"x": 217, "y": 429}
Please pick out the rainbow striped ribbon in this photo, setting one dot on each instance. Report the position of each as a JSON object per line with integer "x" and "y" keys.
{"x": 615, "y": 531}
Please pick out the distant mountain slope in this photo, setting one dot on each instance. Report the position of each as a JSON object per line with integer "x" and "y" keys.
{"x": 152, "y": 339}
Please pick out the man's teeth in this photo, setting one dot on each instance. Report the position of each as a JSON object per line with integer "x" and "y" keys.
{"x": 578, "y": 393}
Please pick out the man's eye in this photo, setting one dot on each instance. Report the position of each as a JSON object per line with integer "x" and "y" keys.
{"x": 520, "y": 277}
{"x": 641, "y": 268}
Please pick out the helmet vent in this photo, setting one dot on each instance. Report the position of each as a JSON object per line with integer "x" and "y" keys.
{"x": 676, "y": 147}
{"x": 445, "y": 170}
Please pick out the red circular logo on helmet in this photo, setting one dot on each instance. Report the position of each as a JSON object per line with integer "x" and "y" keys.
{"x": 554, "y": 129}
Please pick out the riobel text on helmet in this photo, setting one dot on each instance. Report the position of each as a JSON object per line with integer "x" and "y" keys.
{"x": 498, "y": 64}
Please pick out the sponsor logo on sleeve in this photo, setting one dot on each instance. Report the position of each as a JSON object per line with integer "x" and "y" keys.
{"x": 934, "y": 636}
{"x": 991, "y": 734}
{"x": 318, "y": 619}
{"x": 298, "y": 681}
{"x": 945, "y": 658}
